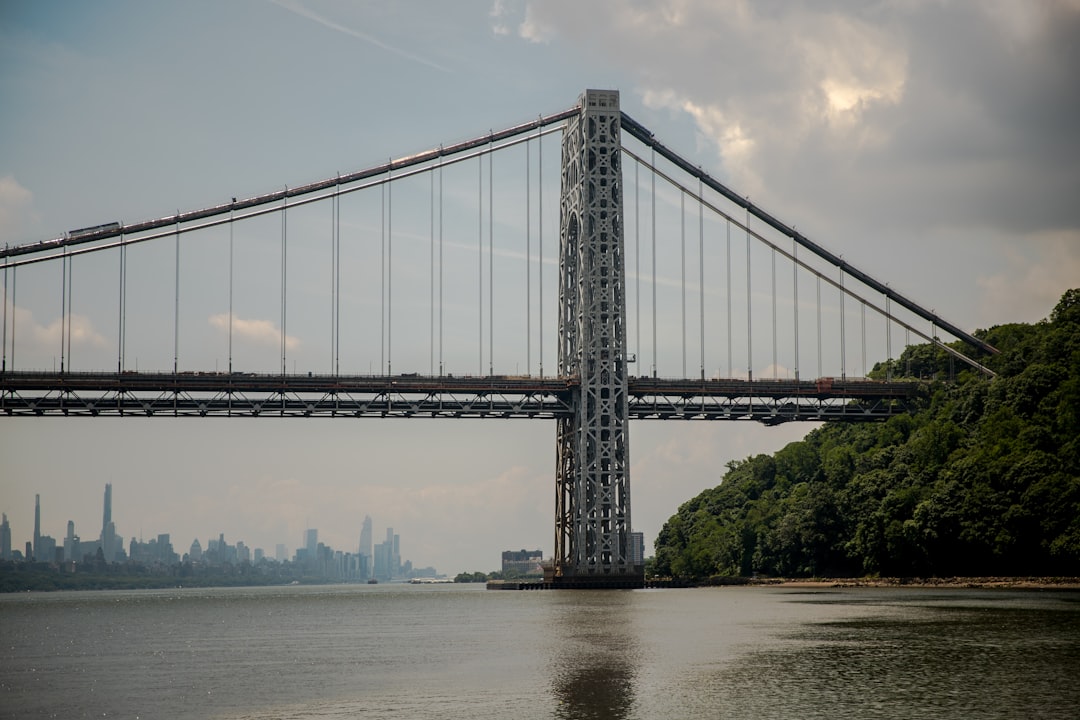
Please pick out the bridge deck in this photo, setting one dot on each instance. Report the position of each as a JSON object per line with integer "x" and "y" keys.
{"x": 28, "y": 393}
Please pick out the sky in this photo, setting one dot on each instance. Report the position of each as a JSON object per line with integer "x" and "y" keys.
{"x": 932, "y": 144}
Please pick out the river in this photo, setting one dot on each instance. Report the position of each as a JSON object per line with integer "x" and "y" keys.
{"x": 460, "y": 651}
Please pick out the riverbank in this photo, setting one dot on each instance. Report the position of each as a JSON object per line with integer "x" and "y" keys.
{"x": 1012, "y": 583}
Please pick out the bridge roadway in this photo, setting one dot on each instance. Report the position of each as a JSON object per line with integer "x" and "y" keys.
{"x": 204, "y": 394}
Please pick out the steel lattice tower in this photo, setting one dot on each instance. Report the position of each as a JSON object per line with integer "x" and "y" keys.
{"x": 592, "y": 513}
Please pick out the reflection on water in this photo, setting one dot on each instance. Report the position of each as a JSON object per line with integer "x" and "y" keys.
{"x": 419, "y": 652}
{"x": 593, "y": 669}
{"x": 956, "y": 655}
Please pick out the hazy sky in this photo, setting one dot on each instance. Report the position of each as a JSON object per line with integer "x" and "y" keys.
{"x": 933, "y": 144}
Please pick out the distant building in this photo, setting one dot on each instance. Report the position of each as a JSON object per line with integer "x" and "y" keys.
{"x": 365, "y": 544}
{"x": 637, "y": 548}
{"x": 195, "y": 552}
{"x": 72, "y": 551}
{"x": 5, "y": 539}
{"x": 522, "y": 562}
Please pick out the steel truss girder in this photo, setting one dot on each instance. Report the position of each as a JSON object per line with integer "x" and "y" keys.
{"x": 213, "y": 394}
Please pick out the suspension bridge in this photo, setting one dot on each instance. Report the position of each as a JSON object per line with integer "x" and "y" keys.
{"x": 729, "y": 305}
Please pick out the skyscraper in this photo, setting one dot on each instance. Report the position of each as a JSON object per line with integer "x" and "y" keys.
{"x": 5, "y": 539}
{"x": 37, "y": 524}
{"x": 365, "y": 543}
{"x": 107, "y": 515}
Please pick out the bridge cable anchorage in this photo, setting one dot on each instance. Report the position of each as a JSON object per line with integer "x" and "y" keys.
{"x": 639, "y": 132}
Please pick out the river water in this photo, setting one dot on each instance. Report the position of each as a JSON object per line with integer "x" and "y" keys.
{"x": 460, "y": 651}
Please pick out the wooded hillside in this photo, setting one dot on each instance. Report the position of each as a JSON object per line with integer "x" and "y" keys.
{"x": 984, "y": 480}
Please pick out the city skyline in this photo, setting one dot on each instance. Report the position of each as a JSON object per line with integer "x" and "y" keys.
{"x": 383, "y": 560}
{"x": 930, "y": 145}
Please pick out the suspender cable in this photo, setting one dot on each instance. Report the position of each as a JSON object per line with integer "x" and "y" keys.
{"x": 772, "y": 258}
{"x": 176, "y": 304}
{"x": 382, "y": 276}
{"x": 730, "y": 359}
{"x": 230, "y": 288}
{"x": 63, "y": 308}
{"x": 491, "y": 261}
{"x": 818, "y": 278}
{"x": 652, "y": 167}
{"x": 701, "y": 274}
{"x": 682, "y": 272}
{"x": 70, "y": 281}
{"x": 121, "y": 309}
{"x": 337, "y": 281}
{"x": 480, "y": 264}
{"x": 795, "y": 286}
{"x": 14, "y": 287}
{"x": 528, "y": 264}
{"x": 3, "y": 343}
{"x": 431, "y": 279}
{"x": 907, "y": 344}
{"x": 843, "y": 334}
{"x": 540, "y": 240}
{"x": 333, "y": 272}
{"x": 637, "y": 265}
{"x": 284, "y": 277}
{"x": 862, "y": 322}
{"x": 389, "y": 271}
{"x": 888, "y": 339}
{"x": 749, "y": 319}
{"x": 440, "y": 266}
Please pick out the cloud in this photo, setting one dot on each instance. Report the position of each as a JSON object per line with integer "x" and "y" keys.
{"x": 1039, "y": 269}
{"x": 31, "y": 337}
{"x": 298, "y": 8}
{"x": 15, "y": 203}
{"x": 260, "y": 332}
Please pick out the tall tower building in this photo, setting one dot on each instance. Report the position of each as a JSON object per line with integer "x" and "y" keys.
{"x": 5, "y": 539}
{"x": 37, "y": 526}
{"x": 365, "y": 542}
{"x": 106, "y": 517}
{"x": 71, "y": 542}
